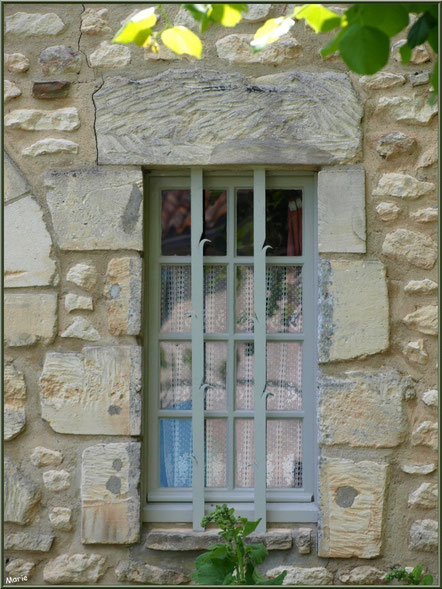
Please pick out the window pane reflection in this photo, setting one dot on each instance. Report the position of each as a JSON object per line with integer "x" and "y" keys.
{"x": 215, "y": 222}
{"x": 244, "y": 222}
{"x": 284, "y": 222}
{"x": 176, "y": 452}
{"x": 175, "y": 223}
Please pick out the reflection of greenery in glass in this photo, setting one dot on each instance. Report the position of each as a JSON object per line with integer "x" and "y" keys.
{"x": 244, "y": 222}
{"x": 163, "y": 361}
{"x": 222, "y": 370}
{"x": 187, "y": 356}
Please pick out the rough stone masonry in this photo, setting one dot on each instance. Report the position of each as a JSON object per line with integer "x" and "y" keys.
{"x": 83, "y": 119}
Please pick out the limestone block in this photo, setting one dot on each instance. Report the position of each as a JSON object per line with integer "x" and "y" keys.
{"x": 403, "y": 186}
{"x": 352, "y": 503}
{"x": 419, "y": 79}
{"x": 424, "y": 535}
{"x": 16, "y": 63}
{"x": 32, "y": 542}
{"x": 413, "y": 110}
{"x": 60, "y": 518}
{"x": 381, "y": 80}
{"x": 364, "y": 575}
{"x": 431, "y": 398}
{"x": 95, "y": 21}
{"x": 30, "y": 318}
{"x": 75, "y": 568}
{"x": 49, "y": 90}
{"x": 81, "y": 328}
{"x": 428, "y": 215}
{"x": 73, "y": 302}
{"x": 353, "y": 310}
{"x": 235, "y": 119}
{"x": 420, "y": 469}
{"x": 424, "y": 319}
{"x": 96, "y": 209}
{"x": 387, "y": 211}
{"x": 129, "y": 571}
{"x": 22, "y": 496}
{"x": 110, "y": 497}
{"x": 416, "y": 352}
{"x": 19, "y": 568}
{"x": 14, "y": 413}
{"x": 123, "y": 292}
{"x": 14, "y": 419}
{"x": 110, "y": 55}
{"x": 15, "y": 183}
{"x": 421, "y": 287}
{"x": 10, "y": 91}
{"x": 424, "y": 497}
{"x": 341, "y": 210}
{"x": 57, "y": 480}
{"x": 302, "y": 576}
{"x": 42, "y": 457}
{"x": 32, "y": 119}
{"x": 419, "y": 54}
{"x": 392, "y": 145}
{"x": 27, "y": 24}
{"x": 60, "y": 59}
{"x": 236, "y": 48}
{"x": 83, "y": 275}
{"x": 378, "y": 395}
{"x": 428, "y": 158}
{"x": 425, "y": 435}
{"x": 50, "y": 146}
{"x": 303, "y": 540}
{"x": 409, "y": 246}
{"x": 97, "y": 392}
{"x": 256, "y": 12}
{"x": 28, "y": 246}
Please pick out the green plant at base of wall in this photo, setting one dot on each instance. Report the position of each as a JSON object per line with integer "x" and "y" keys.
{"x": 414, "y": 577}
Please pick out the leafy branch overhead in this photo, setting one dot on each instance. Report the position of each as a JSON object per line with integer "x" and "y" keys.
{"x": 362, "y": 33}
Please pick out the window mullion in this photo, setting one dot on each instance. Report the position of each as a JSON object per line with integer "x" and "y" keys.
{"x": 231, "y": 371}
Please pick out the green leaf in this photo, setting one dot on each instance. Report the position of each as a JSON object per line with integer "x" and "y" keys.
{"x": 405, "y": 52}
{"x": 427, "y": 580}
{"x": 364, "y": 49}
{"x": 228, "y": 15}
{"x": 138, "y": 28}
{"x": 320, "y": 18}
{"x": 418, "y": 33}
{"x": 333, "y": 46}
{"x": 434, "y": 78}
{"x": 417, "y": 571}
{"x": 389, "y": 18}
{"x": 271, "y": 30}
{"x": 276, "y": 581}
{"x": 182, "y": 40}
{"x": 257, "y": 553}
{"x": 212, "y": 572}
{"x": 433, "y": 39}
{"x": 250, "y": 527}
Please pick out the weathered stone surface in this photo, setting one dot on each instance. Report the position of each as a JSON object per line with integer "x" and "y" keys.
{"x": 421, "y": 287}
{"x": 387, "y": 211}
{"x": 110, "y": 55}
{"x": 364, "y": 575}
{"x": 395, "y": 144}
{"x": 428, "y": 158}
{"x": 302, "y": 576}
{"x": 84, "y": 275}
{"x": 60, "y": 518}
{"x": 342, "y": 401}
{"x": 163, "y": 54}
{"x": 81, "y": 328}
{"x": 185, "y": 19}
{"x": 416, "y": 352}
{"x": 15, "y": 183}
{"x": 352, "y": 501}
{"x": 57, "y": 480}
{"x": 19, "y": 568}
{"x": 381, "y": 80}
{"x": 27, "y": 246}
{"x": 95, "y": 21}
{"x": 14, "y": 413}
{"x": 32, "y": 119}
{"x": 341, "y": 210}
{"x": 424, "y": 497}
{"x": 236, "y": 48}
{"x": 48, "y": 90}
{"x": 424, "y": 319}
{"x": 419, "y": 54}
{"x": 97, "y": 392}
{"x": 129, "y": 571}
{"x": 73, "y": 302}
{"x": 353, "y": 310}
{"x": 415, "y": 248}
{"x": 419, "y": 79}
{"x": 22, "y": 496}
{"x": 256, "y": 12}
{"x": 41, "y": 457}
{"x": 420, "y": 469}
{"x": 303, "y": 540}
{"x": 51, "y": 146}
{"x": 14, "y": 419}
{"x": 29, "y": 318}
{"x": 10, "y": 91}
{"x": 123, "y": 292}
{"x": 424, "y": 535}
{"x": 96, "y": 209}
{"x": 413, "y": 110}
{"x": 431, "y": 398}
{"x": 31, "y": 541}
{"x": 75, "y": 568}
{"x": 402, "y": 186}
{"x": 425, "y": 435}
{"x": 272, "y": 119}
{"x": 428, "y": 215}
{"x": 27, "y": 24}
{"x": 16, "y": 63}
{"x": 60, "y": 59}
{"x": 109, "y": 494}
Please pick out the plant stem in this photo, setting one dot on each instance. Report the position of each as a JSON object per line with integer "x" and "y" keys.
{"x": 164, "y": 13}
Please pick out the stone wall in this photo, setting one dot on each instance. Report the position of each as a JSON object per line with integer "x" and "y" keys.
{"x": 77, "y": 109}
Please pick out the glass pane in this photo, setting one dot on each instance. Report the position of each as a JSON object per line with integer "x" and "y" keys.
{"x": 216, "y": 453}
{"x": 245, "y": 382}
{"x": 176, "y": 375}
{"x": 284, "y": 299}
{"x": 175, "y": 223}
{"x": 216, "y": 374}
{"x": 244, "y": 222}
{"x": 244, "y": 452}
{"x": 244, "y": 307}
{"x": 284, "y": 222}
{"x": 176, "y": 301}
{"x": 215, "y": 222}
{"x": 284, "y": 376}
{"x": 284, "y": 453}
{"x": 215, "y": 299}
{"x": 176, "y": 452}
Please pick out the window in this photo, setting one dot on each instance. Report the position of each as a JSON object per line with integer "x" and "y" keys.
{"x": 231, "y": 345}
